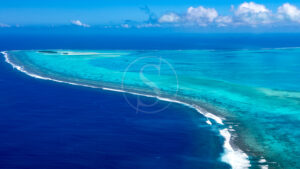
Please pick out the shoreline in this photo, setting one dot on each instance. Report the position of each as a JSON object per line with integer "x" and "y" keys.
{"x": 232, "y": 154}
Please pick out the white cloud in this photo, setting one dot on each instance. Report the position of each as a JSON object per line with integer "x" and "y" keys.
{"x": 224, "y": 21}
{"x": 202, "y": 16}
{"x": 169, "y": 18}
{"x": 2, "y": 25}
{"x": 79, "y": 23}
{"x": 252, "y": 14}
{"x": 246, "y": 14}
{"x": 251, "y": 7}
{"x": 289, "y": 12}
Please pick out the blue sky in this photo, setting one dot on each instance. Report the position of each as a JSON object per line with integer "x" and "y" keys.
{"x": 127, "y": 14}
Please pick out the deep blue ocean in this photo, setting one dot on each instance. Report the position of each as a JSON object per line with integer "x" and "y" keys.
{"x": 95, "y": 38}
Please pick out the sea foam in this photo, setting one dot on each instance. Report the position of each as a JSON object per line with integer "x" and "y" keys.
{"x": 234, "y": 157}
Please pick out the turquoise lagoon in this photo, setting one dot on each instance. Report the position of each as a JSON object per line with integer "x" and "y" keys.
{"x": 256, "y": 93}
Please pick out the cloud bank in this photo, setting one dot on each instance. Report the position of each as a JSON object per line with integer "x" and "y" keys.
{"x": 246, "y": 14}
{"x": 79, "y": 23}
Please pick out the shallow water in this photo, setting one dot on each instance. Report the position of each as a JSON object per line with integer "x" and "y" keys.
{"x": 256, "y": 91}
